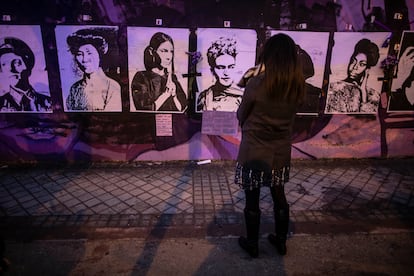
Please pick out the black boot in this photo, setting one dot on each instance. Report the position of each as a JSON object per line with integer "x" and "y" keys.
{"x": 251, "y": 243}
{"x": 281, "y": 227}
{"x": 4, "y": 262}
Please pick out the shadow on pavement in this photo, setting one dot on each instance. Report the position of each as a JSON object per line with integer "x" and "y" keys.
{"x": 160, "y": 228}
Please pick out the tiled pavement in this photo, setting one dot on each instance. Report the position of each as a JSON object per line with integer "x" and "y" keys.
{"x": 182, "y": 193}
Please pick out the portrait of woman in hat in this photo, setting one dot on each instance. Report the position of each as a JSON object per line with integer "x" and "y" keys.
{"x": 16, "y": 92}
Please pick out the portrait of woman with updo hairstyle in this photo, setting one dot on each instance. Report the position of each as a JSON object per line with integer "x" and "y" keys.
{"x": 94, "y": 91}
{"x": 224, "y": 94}
{"x": 225, "y": 55}
{"x": 354, "y": 94}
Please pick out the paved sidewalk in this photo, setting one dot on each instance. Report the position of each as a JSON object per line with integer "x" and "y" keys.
{"x": 150, "y": 195}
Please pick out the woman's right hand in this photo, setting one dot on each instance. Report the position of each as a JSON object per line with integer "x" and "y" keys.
{"x": 405, "y": 66}
{"x": 170, "y": 86}
{"x": 364, "y": 87}
{"x": 170, "y": 91}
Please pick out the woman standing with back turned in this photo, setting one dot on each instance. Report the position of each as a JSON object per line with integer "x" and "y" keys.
{"x": 266, "y": 116}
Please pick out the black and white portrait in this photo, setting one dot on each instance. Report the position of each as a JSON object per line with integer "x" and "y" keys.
{"x": 313, "y": 47}
{"x": 227, "y": 54}
{"x": 157, "y": 61}
{"x": 24, "y": 85}
{"x": 402, "y": 88}
{"x": 89, "y": 67}
{"x": 354, "y": 86}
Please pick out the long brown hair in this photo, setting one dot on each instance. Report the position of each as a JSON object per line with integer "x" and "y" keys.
{"x": 284, "y": 78}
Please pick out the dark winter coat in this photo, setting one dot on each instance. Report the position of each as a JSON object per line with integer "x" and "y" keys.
{"x": 266, "y": 134}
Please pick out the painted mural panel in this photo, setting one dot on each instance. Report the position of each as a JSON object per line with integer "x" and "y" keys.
{"x": 24, "y": 85}
{"x": 89, "y": 68}
{"x": 354, "y": 67}
{"x": 354, "y": 87}
{"x": 226, "y": 55}
{"x": 97, "y": 137}
{"x": 313, "y": 50}
{"x": 402, "y": 88}
{"x": 157, "y": 61}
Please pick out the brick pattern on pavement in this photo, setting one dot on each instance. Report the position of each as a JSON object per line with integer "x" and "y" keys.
{"x": 183, "y": 193}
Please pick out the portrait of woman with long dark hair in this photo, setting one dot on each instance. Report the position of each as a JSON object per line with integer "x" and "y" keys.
{"x": 158, "y": 87}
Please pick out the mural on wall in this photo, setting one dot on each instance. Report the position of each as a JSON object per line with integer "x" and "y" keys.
{"x": 313, "y": 47}
{"x": 24, "y": 85}
{"x": 353, "y": 131}
{"x": 157, "y": 61}
{"x": 227, "y": 54}
{"x": 354, "y": 87}
{"x": 130, "y": 136}
{"x": 130, "y": 133}
{"x": 402, "y": 88}
{"x": 89, "y": 68}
